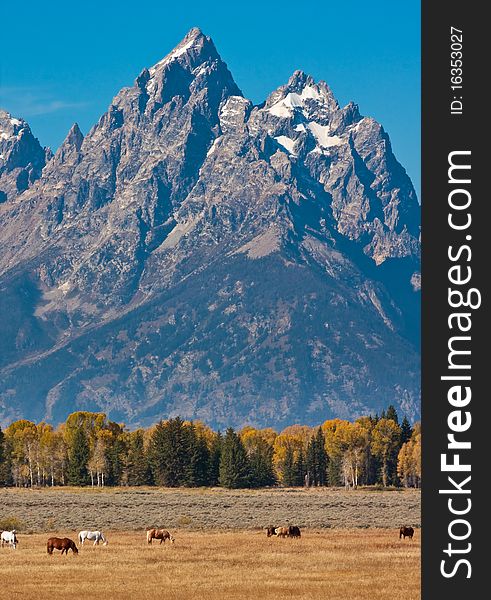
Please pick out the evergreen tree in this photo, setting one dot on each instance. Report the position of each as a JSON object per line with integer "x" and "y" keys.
{"x": 385, "y": 445}
{"x": 234, "y": 468}
{"x": 214, "y": 461}
{"x": 116, "y": 457}
{"x": 198, "y": 470}
{"x": 300, "y": 469}
{"x": 137, "y": 467}
{"x": 392, "y": 414}
{"x": 406, "y": 431}
{"x": 170, "y": 453}
{"x": 288, "y": 470}
{"x": 371, "y": 470}
{"x": 334, "y": 471}
{"x": 78, "y": 457}
{"x": 391, "y": 463}
{"x": 260, "y": 459}
{"x": 316, "y": 459}
{"x": 322, "y": 458}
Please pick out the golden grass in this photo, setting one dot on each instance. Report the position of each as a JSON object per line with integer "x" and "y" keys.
{"x": 337, "y": 564}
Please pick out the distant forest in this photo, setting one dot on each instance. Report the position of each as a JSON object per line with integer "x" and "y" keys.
{"x": 88, "y": 449}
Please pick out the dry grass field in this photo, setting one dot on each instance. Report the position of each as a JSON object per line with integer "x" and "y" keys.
{"x": 333, "y": 564}
{"x": 349, "y": 547}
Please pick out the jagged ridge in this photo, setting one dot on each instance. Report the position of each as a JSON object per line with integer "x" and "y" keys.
{"x": 198, "y": 255}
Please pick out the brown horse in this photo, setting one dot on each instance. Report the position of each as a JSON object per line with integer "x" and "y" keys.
{"x": 282, "y": 532}
{"x": 406, "y": 532}
{"x": 159, "y": 534}
{"x": 63, "y": 544}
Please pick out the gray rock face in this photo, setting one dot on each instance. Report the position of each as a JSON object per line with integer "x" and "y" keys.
{"x": 21, "y": 157}
{"x": 198, "y": 255}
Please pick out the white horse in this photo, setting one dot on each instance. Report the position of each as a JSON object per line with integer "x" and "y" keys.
{"x": 9, "y": 537}
{"x": 96, "y": 536}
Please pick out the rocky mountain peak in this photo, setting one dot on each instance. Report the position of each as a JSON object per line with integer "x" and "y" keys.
{"x": 69, "y": 151}
{"x": 195, "y": 57}
{"x": 302, "y": 96}
{"x": 75, "y": 137}
{"x": 9, "y": 125}
{"x": 21, "y": 156}
{"x": 198, "y": 255}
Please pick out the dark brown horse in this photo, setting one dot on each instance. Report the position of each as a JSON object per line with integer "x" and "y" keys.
{"x": 63, "y": 544}
{"x": 270, "y": 531}
{"x": 294, "y": 531}
{"x": 405, "y": 532}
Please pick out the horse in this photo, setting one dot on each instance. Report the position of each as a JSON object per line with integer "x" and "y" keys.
{"x": 63, "y": 544}
{"x": 159, "y": 534}
{"x": 282, "y": 532}
{"x": 10, "y": 538}
{"x": 96, "y": 536}
{"x": 270, "y": 531}
{"x": 406, "y": 532}
{"x": 294, "y": 531}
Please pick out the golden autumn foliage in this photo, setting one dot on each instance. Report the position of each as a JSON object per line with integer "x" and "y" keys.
{"x": 409, "y": 460}
{"x": 290, "y": 442}
{"x": 366, "y": 451}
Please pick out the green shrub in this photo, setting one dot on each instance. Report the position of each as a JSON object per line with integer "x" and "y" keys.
{"x": 9, "y": 523}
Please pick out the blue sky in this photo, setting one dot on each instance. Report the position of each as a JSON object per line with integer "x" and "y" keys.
{"x": 63, "y": 62}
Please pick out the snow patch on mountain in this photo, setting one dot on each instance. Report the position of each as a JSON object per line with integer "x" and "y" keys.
{"x": 286, "y": 142}
{"x": 284, "y": 107}
{"x": 321, "y": 134}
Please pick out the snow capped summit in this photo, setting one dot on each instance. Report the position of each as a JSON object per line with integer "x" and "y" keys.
{"x": 304, "y": 117}
{"x": 301, "y": 94}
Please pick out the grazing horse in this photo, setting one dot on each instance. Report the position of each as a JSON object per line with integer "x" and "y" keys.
{"x": 95, "y": 536}
{"x": 9, "y": 537}
{"x": 159, "y": 534}
{"x": 270, "y": 531}
{"x": 294, "y": 531}
{"x": 63, "y": 544}
{"x": 282, "y": 532}
{"x": 406, "y": 532}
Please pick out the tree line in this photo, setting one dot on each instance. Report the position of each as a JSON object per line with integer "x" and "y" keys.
{"x": 89, "y": 449}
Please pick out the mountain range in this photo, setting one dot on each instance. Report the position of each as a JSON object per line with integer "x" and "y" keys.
{"x": 198, "y": 255}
